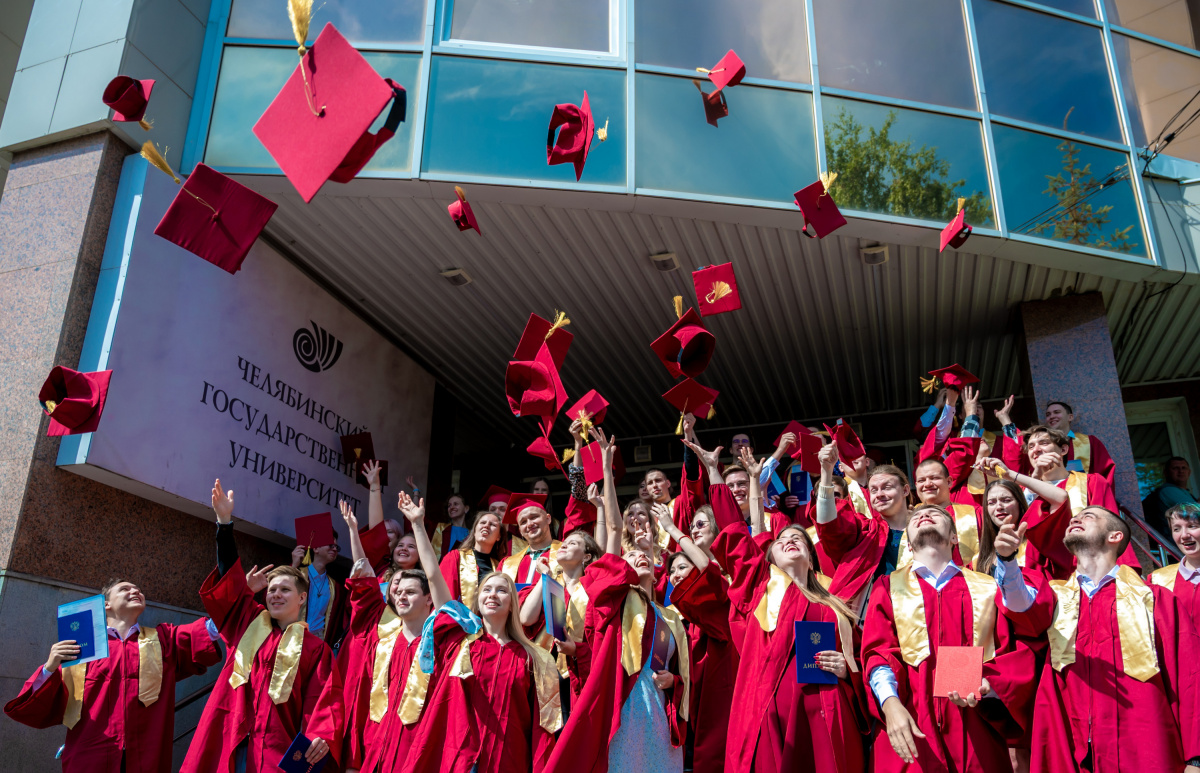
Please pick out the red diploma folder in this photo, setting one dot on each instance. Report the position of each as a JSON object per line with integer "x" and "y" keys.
{"x": 959, "y": 669}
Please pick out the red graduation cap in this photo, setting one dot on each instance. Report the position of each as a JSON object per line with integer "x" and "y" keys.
{"x": 542, "y": 449}
{"x": 215, "y": 218}
{"x": 320, "y": 114}
{"x": 364, "y": 149}
{"x": 715, "y": 106}
{"x": 315, "y": 531}
{"x": 690, "y": 396}
{"x": 128, "y": 98}
{"x": 521, "y": 501}
{"x": 591, "y": 408}
{"x": 534, "y": 388}
{"x": 574, "y": 139}
{"x": 716, "y": 290}
{"x": 797, "y": 429}
{"x": 819, "y": 210}
{"x": 954, "y": 377}
{"x": 849, "y": 447}
{"x": 73, "y": 400}
{"x": 494, "y": 495}
{"x": 462, "y": 214}
{"x": 727, "y": 72}
{"x": 687, "y": 346}
{"x": 805, "y": 448}
{"x": 357, "y": 450}
{"x": 593, "y": 464}
{"x": 956, "y": 232}
{"x": 538, "y": 331}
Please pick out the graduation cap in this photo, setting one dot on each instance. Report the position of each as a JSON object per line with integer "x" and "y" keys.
{"x": 727, "y": 72}
{"x": 716, "y": 290}
{"x": 590, "y": 410}
{"x": 358, "y": 449}
{"x": 715, "y": 106}
{"x": 957, "y": 231}
{"x": 542, "y": 449}
{"x": 538, "y": 331}
{"x": 533, "y": 386}
{"x": 494, "y": 495}
{"x": 687, "y": 346}
{"x": 314, "y": 531}
{"x": 73, "y": 400}
{"x": 690, "y": 396}
{"x": 593, "y": 464}
{"x": 326, "y": 106}
{"x": 364, "y": 149}
{"x": 521, "y": 501}
{"x": 214, "y": 217}
{"x": 849, "y": 447}
{"x": 574, "y": 138}
{"x": 128, "y": 99}
{"x": 954, "y": 377}
{"x": 462, "y": 214}
{"x": 818, "y": 207}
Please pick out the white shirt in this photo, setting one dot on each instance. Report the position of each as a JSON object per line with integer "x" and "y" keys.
{"x": 1188, "y": 574}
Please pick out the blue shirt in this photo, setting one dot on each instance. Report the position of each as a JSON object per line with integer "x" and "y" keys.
{"x": 318, "y": 599}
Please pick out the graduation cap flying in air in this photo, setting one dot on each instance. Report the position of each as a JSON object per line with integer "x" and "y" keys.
{"x": 128, "y": 99}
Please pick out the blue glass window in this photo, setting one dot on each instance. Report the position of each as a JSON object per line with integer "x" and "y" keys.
{"x": 1069, "y": 191}
{"x": 251, "y": 77}
{"x": 764, "y": 149}
{"x": 770, "y": 36}
{"x": 1081, "y": 7}
{"x": 1045, "y": 69}
{"x": 1158, "y": 83}
{"x": 570, "y": 24}
{"x": 360, "y": 21}
{"x": 911, "y": 50}
{"x": 906, "y": 162}
{"x": 489, "y": 117}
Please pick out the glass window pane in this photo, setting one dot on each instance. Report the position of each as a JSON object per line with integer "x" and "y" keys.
{"x": 771, "y": 36}
{"x": 1171, "y": 20}
{"x": 577, "y": 24}
{"x": 1045, "y": 69}
{"x": 360, "y": 21}
{"x": 912, "y": 50}
{"x": 764, "y": 149}
{"x": 1052, "y": 188}
{"x": 1082, "y": 7}
{"x": 906, "y": 162}
{"x": 251, "y": 77}
{"x": 489, "y": 117}
{"x": 1158, "y": 82}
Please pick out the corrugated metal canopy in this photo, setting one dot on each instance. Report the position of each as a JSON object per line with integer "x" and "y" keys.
{"x": 820, "y": 334}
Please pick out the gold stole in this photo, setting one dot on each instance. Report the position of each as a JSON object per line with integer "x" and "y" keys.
{"x": 512, "y": 564}
{"x": 287, "y": 656}
{"x": 767, "y": 611}
{"x": 388, "y": 629}
{"x": 517, "y": 544}
{"x": 1081, "y": 444}
{"x": 978, "y": 479}
{"x": 436, "y": 538}
{"x": 150, "y": 675}
{"x": 966, "y": 523}
{"x": 812, "y": 535}
{"x": 1135, "y": 623}
{"x": 468, "y": 577}
{"x": 1077, "y": 491}
{"x": 857, "y": 497}
{"x": 1021, "y": 553}
{"x": 633, "y": 625}
{"x": 1165, "y": 576}
{"x": 416, "y": 687}
{"x": 908, "y": 612}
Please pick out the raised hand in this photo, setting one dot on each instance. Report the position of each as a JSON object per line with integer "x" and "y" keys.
{"x": 1002, "y": 413}
{"x": 371, "y": 471}
{"x": 348, "y": 515}
{"x": 1008, "y": 541}
{"x": 607, "y": 444}
{"x": 298, "y": 555}
{"x": 222, "y": 502}
{"x": 828, "y": 457}
{"x": 747, "y": 459}
{"x": 970, "y": 400}
{"x": 951, "y": 397}
{"x": 256, "y": 579}
{"x": 594, "y": 496}
{"x": 412, "y": 484}
{"x": 785, "y": 442}
{"x": 710, "y": 459}
{"x": 662, "y": 514}
{"x": 413, "y": 511}
{"x": 65, "y": 650}
{"x": 993, "y": 466}
{"x": 689, "y": 426}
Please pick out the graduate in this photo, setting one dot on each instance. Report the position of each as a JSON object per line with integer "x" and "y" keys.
{"x": 456, "y": 516}
{"x": 630, "y": 716}
{"x": 914, "y": 611}
{"x": 1006, "y": 504}
{"x": 480, "y": 553}
{"x": 380, "y": 647}
{"x": 120, "y": 710}
{"x": 1120, "y": 691}
{"x": 1086, "y": 454}
{"x": 279, "y": 680}
{"x": 932, "y": 482}
{"x": 1183, "y": 578}
{"x": 533, "y": 523}
{"x": 380, "y": 554}
{"x": 691, "y": 487}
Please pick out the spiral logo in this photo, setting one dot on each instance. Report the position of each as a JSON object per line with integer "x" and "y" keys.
{"x": 316, "y": 349}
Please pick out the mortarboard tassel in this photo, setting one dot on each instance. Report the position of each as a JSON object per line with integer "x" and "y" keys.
{"x": 585, "y": 424}
{"x": 928, "y": 385}
{"x": 49, "y": 405}
{"x": 962, "y": 202}
{"x": 147, "y": 124}
{"x": 678, "y": 306}
{"x": 706, "y": 71}
{"x": 602, "y": 132}
{"x": 568, "y": 455}
{"x": 560, "y": 320}
{"x": 679, "y": 426}
{"x": 719, "y": 291}
{"x": 300, "y": 14}
{"x": 712, "y": 411}
{"x": 307, "y": 557}
{"x": 151, "y": 154}
{"x": 827, "y": 180}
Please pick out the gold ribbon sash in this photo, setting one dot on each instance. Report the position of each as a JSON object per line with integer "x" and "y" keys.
{"x": 150, "y": 675}
{"x": 908, "y": 612}
{"x": 435, "y": 539}
{"x": 416, "y": 686}
{"x": 633, "y": 625}
{"x": 674, "y": 621}
{"x": 767, "y": 611}
{"x": 857, "y": 497}
{"x": 545, "y": 682}
{"x": 388, "y": 629}
{"x": 468, "y": 577}
{"x": 1165, "y": 576}
{"x": 966, "y": 523}
{"x": 1077, "y": 491}
{"x": 512, "y": 564}
{"x": 1081, "y": 444}
{"x": 1135, "y": 624}
{"x": 287, "y": 656}
{"x": 73, "y": 679}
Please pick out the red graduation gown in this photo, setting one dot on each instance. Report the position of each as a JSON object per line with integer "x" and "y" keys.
{"x": 449, "y": 567}
{"x": 314, "y": 706}
{"x": 1048, "y": 527}
{"x": 1188, "y": 594}
{"x": 957, "y": 739}
{"x": 703, "y": 599}
{"x": 596, "y": 717}
{"x": 1133, "y": 725}
{"x": 854, "y": 545}
{"x": 112, "y": 718}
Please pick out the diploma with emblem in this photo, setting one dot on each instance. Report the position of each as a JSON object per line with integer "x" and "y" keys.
{"x": 293, "y": 759}
{"x": 811, "y": 638}
{"x": 664, "y": 644}
{"x": 84, "y": 621}
{"x": 554, "y": 607}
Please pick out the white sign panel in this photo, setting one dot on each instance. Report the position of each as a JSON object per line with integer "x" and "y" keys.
{"x": 251, "y": 378}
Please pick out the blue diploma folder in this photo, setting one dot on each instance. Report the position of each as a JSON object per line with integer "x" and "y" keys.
{"x": 293, "y": 759}
{"x": 554, "y": 608}
{"x": 84, "y": 621}
{"x": 800, "y": 485}
{"x": 664, "y": 644}
{"x": 812, "y": 638}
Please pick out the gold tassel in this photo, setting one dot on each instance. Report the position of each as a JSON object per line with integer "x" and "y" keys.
{"x": 712, "y": 411}
{"x": 962, "y": 202}
{"x": 678, "y": 306}
{"x": 300, "y": 14}
{"x": 560, "y": 320}
{"x": 151, "y": 154}
{"x": 146, "y": 124}
{"x": 707, "y": 71}
{"x": 827, "y": 179}
{"x": 50, "y": 406}
{"x": 719, "y": 291}
{"x": 459, "y": 193}
{"x": 585, "y": 424}
{"x": 568, "y": 455}
{"x": 928, "y": 385}
{"x": 679, "y": 426}
{"x": 307, "y": 557}
{"x": 602, "y": 133}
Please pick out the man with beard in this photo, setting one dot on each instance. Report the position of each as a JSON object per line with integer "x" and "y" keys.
{"x": 1119, "y": 691}
{"x": 916, "y": 610}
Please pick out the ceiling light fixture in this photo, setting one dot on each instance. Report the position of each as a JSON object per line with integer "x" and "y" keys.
{"x": 457, "y": 277}
{"x": 665, "y": 261}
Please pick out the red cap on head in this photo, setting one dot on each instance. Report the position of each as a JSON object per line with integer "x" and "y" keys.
{"x": 128, "y": 98}
{"x": 690, "y": 396}
{"x": 727, "y": 72}
{"x": 215, "y": 218}
{"x": 357, "y": 450}
{"x": 715, "y": 106}
{"x": 819, "y": 210}
{"x": 574, "y": 139}
{"x": 327, "y": 105}
{"x": 494, "y": 495}
{"x": 954, "y": 377}
{"x": 592, "y": 405}
{"x": 849, "y": 447}
{"x": 686, "y": 347}
{"x": 521, "y": 501}
{"x": 462, "y": 214}
{"x": 73, "y": 400}
{"x": 956, "y": 232}
{"x": 592, "y": 462}
{"x": 534, "y": 388}
{"x": 534, "y": 335}
{"x": 716, "y": 290}
{"x": 315, "y": 531}
{"x": 366, "y": 145}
